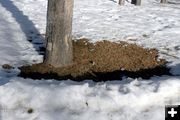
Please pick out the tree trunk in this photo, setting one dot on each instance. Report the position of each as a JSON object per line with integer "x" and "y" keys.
{"x": 59, "y": 33}
{"x": 136, "y": 2}
{"x": 121, "y": 2}
{"x": 163, "y": 1}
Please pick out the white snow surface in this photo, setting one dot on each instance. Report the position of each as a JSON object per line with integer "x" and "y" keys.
{"x": 151, "y": 25}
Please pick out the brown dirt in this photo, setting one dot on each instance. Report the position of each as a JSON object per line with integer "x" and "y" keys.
{"x": 103, "y": 60}
{"x": 7, "y": 67}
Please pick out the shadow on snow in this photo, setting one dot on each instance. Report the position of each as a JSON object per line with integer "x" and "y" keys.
{"x": 27, "y": 26}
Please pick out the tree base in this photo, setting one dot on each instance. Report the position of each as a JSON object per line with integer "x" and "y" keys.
{"x": 102, "y": 61}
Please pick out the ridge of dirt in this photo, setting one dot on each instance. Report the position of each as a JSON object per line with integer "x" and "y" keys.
{"x": 102, "y": 60}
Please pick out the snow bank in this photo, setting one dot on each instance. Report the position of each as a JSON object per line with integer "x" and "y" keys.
{"x": 67, "y": 100}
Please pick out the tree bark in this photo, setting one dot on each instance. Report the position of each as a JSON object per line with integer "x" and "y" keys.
{"x": 121, "y": 2}
{"x": 136, "y": 2}
{"x": 59, "y": 33}
{"x": 163, "y": 1}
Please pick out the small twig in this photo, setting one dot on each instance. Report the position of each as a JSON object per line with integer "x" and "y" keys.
{"x": 169, "y": 55}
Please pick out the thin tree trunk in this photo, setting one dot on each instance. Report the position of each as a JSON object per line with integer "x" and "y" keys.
{"x": 59, "y": 33}
{"x": 121, "y": 2}
{"x": 163, "y": 1}
{"x": 136, "y": 2}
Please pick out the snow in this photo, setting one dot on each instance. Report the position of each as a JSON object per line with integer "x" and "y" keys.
{"x": 151, "y": 25}
{"x": 52, "y": 100}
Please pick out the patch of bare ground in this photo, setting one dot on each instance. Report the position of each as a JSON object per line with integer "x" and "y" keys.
{"x": 102, "y": 61}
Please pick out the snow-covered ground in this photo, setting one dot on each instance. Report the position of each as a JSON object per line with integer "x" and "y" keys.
{"x": 152, "y": 25}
